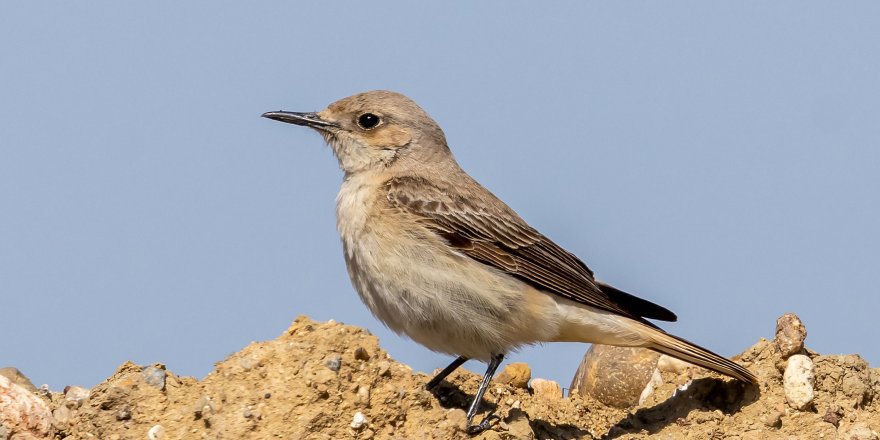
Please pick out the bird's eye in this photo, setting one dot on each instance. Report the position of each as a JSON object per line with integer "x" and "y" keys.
{"x": 368, "y": 121}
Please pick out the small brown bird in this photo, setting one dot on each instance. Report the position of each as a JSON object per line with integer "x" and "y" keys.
{"x": 440, "y": 259}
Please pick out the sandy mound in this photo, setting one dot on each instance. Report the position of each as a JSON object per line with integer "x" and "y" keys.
{"x": 332, "y": 381}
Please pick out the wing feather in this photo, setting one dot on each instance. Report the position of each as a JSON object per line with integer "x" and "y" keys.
{"x": 485, "y": 229}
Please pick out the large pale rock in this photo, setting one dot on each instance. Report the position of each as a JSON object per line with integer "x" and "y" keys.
{"x": 547, "y": 389}
{"x": 22, "y": 412}
{"x": 516, "y": 375}
{"x": 798, "y": 381}
{"x": 615, "y": 376}
{"x": 790, "y": 335}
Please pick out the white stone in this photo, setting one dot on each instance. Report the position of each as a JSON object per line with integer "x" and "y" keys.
{"x": 656, "y": 381}
{"x": 359, "y": 420}
{"x": 156, "y": 432}
{"x": 798, "y": 380}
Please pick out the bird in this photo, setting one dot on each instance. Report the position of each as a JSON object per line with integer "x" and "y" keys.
{"x": 438, "y": 258}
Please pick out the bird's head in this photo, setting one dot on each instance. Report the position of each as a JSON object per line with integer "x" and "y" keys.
{"x": 373, "y": 130}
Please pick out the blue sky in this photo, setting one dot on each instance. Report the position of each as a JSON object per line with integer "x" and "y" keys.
{"x": 719, "y": 158}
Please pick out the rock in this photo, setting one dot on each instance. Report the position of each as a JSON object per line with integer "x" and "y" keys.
{"x": 518, "y": 425}
{"x": 334, "y": 363}
{"x": 361, "y": 354}
{"x": 124, "y": 413}
{"x": 546, "y": 389}
{"x": 655, "y": 381}
{"x": 669, "y": 364}
{"x": 21, "y": 411}
{"x": 17, "y": 377}
{"x": 859, "y": 431}
{"x": 773, "y": 419}
{"x": 154, "y": 376}
{"x": 75, "y": 396}
{"x": 358, "y": 421}
{"x": 516, "y": 375}
{"x": 790, "y": 335}
{"x": 363, "y": 395}
{"x": 156, "y": 432}
{"x": 615, "y": 376}
{"x": 384, "y": 369}
{"x": 833, "y": 415}
{"x": 798, "y": 382}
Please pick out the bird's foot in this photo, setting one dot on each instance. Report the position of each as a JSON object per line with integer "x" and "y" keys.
{"x": 485, "y": 424}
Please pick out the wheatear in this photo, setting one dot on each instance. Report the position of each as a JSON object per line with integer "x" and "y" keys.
{"x": 440, "y": 259}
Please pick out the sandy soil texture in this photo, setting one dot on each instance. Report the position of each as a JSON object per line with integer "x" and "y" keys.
{"x": 333, "y": 381}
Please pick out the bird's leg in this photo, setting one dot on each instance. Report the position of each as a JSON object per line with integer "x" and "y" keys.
{"x": 446, "y": 371}
{"x": 475, "y": 405}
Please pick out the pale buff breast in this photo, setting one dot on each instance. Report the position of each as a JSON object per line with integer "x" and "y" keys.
{"x": 419, "y": 287}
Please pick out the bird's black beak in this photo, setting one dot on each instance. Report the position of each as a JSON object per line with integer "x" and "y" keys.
{"x": 310, "y": 119}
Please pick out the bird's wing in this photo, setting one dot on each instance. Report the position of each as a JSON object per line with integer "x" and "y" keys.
{"x": 482, "y": 227}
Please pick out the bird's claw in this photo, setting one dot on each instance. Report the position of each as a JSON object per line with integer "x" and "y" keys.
{"x": 485, "y": 424}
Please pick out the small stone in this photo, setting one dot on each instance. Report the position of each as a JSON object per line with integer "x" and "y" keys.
{"x": 156, "y": 432}
{"x": 859, "y": 431}
{"x": 772, "y": 420}
{"x": 833, "y": 416}
{"x": 124, "y": 413}
{"x": 358, "y": 421}
{"x": 790, "y": 335}
{"x": 798, "y": 382}
{"x": 546, "y": 389}
{"x": 518, "y": 425}
{"x": 363, "y": 395}
{"x": 204, "y": 408}
{"x": 669, "y": 364}
{"x": 75, "y": 396}
{"x": 61, "y": 416}
{"x": 154, "y": 375}
{"x": 457, "y": 418}
{"x": 384, "y": 369}
{"x": 334, "y": 363}
{"x": 516, "y": 375}
{"x": 361, "y": 354}
{"x": 615, "y": 376}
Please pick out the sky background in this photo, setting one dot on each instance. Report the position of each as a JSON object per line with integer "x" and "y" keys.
{"x": 719, "y": 158}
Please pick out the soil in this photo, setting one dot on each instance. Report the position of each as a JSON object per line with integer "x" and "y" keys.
{"x": 333, "y": 381}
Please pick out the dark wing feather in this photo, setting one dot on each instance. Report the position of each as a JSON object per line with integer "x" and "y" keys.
{"x": 485, "y": 229}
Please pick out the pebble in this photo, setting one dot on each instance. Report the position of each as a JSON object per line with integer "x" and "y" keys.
{"x": 859, "y": 431}
{"x": 518, "y": 425}
{"x": 156, "y": 432}
{"x": 773, "y": 419}
{"x": 790, "y": 335}
{"x": 798, "y": 382}
{"x": 154, "y": 376}
{"x": 124, "y": 413}
{"x": 516, "y": 375}
{"x": 361, "y": 354}
{"x": 358, "y": 421}
{"x": 75, "y": 396}
{"x": 615, "y": 376}
{"x": 334, "y": 363}
{"x": 384, "y": 368}
{"x": 22, "y": 411}
{"x": 547, "y": 389}
{"x": 363, "y": 395}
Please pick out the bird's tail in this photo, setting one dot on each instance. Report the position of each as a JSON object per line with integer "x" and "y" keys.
{"x": 679, "y": 348}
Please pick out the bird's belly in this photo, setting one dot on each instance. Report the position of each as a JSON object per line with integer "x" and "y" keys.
{"x": 443, "y": 300}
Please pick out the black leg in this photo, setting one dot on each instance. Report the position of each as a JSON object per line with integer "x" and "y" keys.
{"x": 446, "y": 371}
{"x": 475, "y": 406}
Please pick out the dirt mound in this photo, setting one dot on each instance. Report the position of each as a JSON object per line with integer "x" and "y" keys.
{"x": 332, "y": 381}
